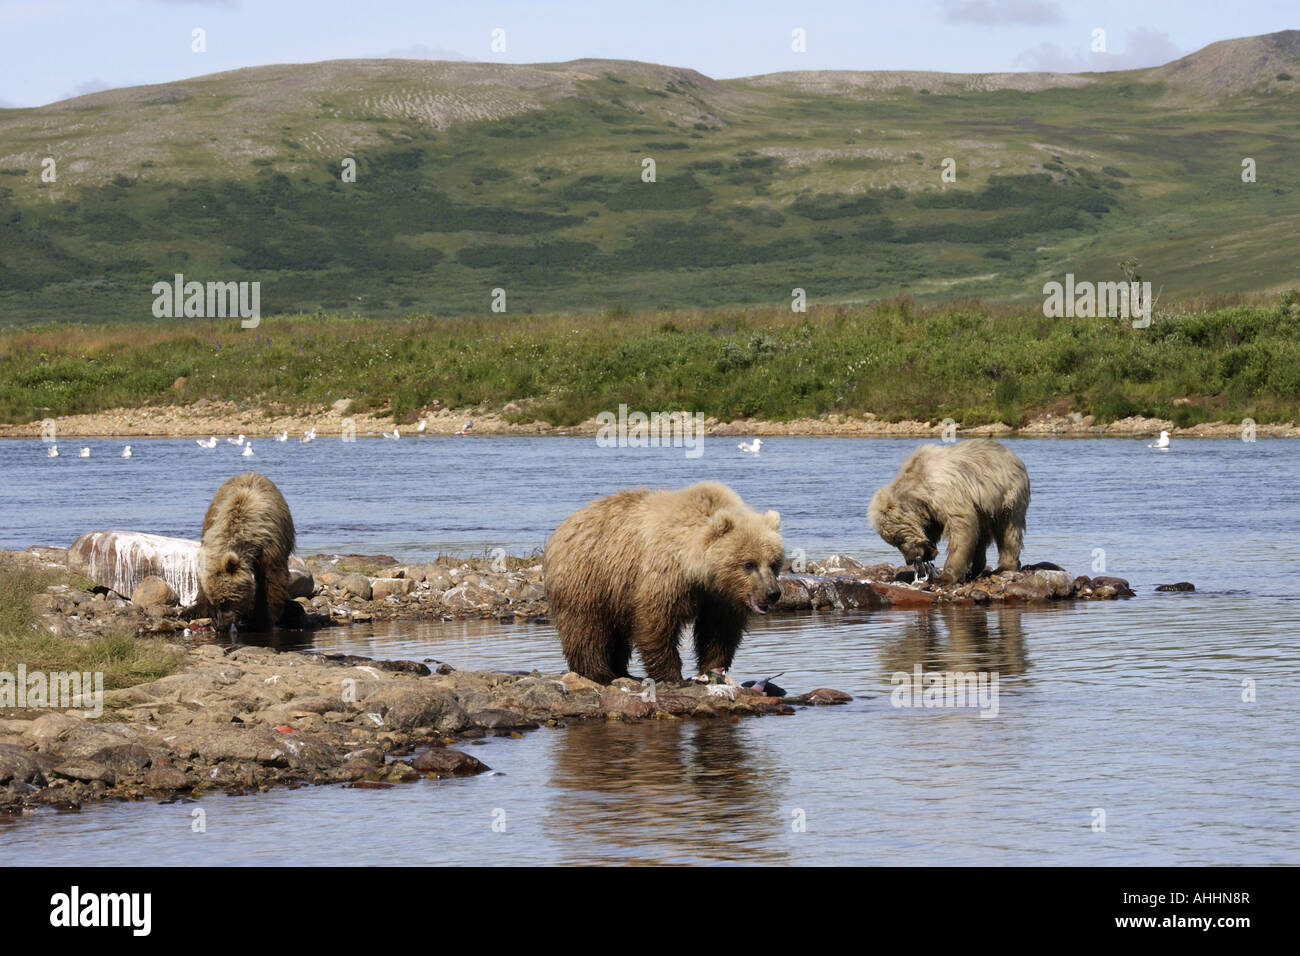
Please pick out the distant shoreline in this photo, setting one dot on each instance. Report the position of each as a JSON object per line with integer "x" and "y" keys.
{"x": 225, "y": 420}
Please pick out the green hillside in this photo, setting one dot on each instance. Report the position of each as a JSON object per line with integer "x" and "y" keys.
{"x": 473, "y": 176}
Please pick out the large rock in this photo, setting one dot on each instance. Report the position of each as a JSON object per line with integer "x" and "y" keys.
{"x": 383, "y": 587}
{"x": 444, "y": 762}
{"x": 122, "y": 560}
{"x": 153, "y": 590}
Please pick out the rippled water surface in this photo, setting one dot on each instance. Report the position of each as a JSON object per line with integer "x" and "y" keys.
{"x": 1134, "y": 708}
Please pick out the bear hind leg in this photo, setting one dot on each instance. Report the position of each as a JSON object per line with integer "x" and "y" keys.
{"x": 1010, "y": 539}
{"x": 593, "y": 648}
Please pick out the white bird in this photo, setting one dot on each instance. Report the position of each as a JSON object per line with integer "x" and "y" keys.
{"x": 85, "y": 453}
{"x": 283, "y": 436}
{"x": 126, "y": 452}
{"x": 393, "y": 435}
{"x": 236, "y": 441}
{"x": 464, "y": 429}
{"x": 308, "y": 436}
{"x": 206, "y": 442}
{"x": 248, "y": 450}
{"x": 424, "y": 423}
{"x": 751, "y": 447}
{"x": 1161, "y": 442}
{"x": 52, "y": 451}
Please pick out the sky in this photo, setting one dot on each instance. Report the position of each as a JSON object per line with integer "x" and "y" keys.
{"x": 54, "y": 49}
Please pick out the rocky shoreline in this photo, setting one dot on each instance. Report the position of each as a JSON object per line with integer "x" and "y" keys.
{"x": 205, "y": 418}
{"x": 242, "y": 719}
{"x": 145, "y": 592}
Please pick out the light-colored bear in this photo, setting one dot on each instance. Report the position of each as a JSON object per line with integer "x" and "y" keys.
{"x": 974, "y": 493}
{"x": 633, "y": 569}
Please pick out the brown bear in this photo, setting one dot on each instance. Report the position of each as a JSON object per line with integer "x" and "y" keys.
{"x": 244, "y": 554}
{"x": 633, "y": 569}
{"x": 974, "y": 492}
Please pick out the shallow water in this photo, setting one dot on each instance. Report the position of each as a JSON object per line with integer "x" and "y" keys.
{"x": 1132, "y": 708}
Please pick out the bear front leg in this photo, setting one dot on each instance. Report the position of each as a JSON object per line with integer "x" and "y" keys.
{"x": 963, "y": 538}
{"x": 718, "y": 632}
{"x": 980, "y": 557}
{"x": 276, "y": 575}
{"x": 1010, "y": 539}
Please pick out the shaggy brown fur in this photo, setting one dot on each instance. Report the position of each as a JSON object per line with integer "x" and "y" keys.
{"x": 244, "y": 555}
{"x": 974, "y": 492}
{"x": 633, "y": 569}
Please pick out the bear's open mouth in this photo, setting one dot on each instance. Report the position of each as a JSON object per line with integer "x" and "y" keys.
{"x": 759, "y": 606}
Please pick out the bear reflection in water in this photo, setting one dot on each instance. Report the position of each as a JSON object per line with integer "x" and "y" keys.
{"x": 716, "y": 790}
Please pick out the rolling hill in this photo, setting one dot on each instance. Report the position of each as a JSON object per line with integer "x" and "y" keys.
{"x": 472, "y": 176}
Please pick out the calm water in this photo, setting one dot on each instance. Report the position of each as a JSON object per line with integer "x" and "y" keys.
{"x": 1133, "y": 708}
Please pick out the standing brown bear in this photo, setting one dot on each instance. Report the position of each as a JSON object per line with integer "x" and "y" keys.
{"x": 975, "y": 493}
{"x": 633, "y": 569}
{"x": 244, "y": 554}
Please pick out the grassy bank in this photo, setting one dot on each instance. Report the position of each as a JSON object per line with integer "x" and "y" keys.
{"x": 123, "y": 660}
{"x": 1220, "y": 360}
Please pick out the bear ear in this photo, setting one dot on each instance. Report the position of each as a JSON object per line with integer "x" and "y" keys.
{"x": 719, "y": 524}
{"x": 773, "y": 518}
{"x": 230, "y": 562}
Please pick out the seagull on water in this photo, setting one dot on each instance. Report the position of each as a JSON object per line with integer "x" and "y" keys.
{"x": 248, "y": 450}
{"x": 751, "y": 447}
{"x": 52, "y": 451}
{"x": 424, "y": 423}
{"x": 85, "y": 453}
{"x": 465, "y": 429}
{"x": 236, "y": 441}
{"x": 126, "y": 452}
{"x": 1161, "y": 442}
{"x": 393, "y": 435}
{"x": 282, "y": 436}
{"x": 308, "y": 437}
{"x": 206, "y": 442}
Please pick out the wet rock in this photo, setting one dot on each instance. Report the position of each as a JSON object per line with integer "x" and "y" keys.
{"x": 153, "y": 590}
{"x": 18, "y": 765}
{"x": 445, "y": 762}
{"x": 618, "y": 701}
{"x": 418, "y": 706}
{"x": 898, "y": 595}
{"x": 824, "y": 695}
{"x": 358, "y": 585}
{"x": 399, "y": 772}
{"x": 856, "y": 594}
{"x": 1031, "y": 588}
{"x": 1119, "y": 586}
{"x": 383, "y": 587}
{"x": 163, "y": 776}
{"x": 472, "y": 596}
{"x": 498, "y": 719}
{"x": 85, "y": 770}
{"x": 123, "y": 760}
{"x": 1179, "y": 586}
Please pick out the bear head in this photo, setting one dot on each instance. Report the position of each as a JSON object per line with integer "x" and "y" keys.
{"x": 742, "y": 556}
{"x": 230, "y": 589}
{"x": 906, "y": 524}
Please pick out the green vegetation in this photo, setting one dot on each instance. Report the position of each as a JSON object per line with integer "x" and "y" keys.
{"x": 974, "y": 363}
{"x": 762, "y": 185}
{"x": 123, "y": 659}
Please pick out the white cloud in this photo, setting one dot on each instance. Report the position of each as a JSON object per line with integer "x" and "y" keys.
{"x": 995, "y": 13}
{"x": 1144, "y": 47}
